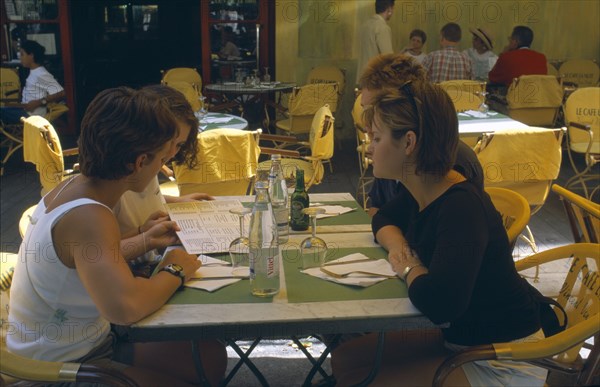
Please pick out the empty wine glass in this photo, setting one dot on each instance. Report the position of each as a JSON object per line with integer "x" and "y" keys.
{"x": 483, "y": 108}
{"x": 313, "y": 249}
{"x": 256, "y": 77}
{"x": 202, "y": 112}
{"x": 239, "y": 248}
{"x": 267, "y": 76}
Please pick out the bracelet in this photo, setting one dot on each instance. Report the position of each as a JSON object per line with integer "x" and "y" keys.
{"x": 407, "y": 271}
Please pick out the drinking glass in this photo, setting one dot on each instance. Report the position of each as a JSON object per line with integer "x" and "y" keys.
{"x": 202, "y": 112}
{"x": 313, "y": 249}
{"x": 256, "y": 78}
{"x": 239, "y": 248}
{"x": 483, "y": 108}
{"x": 267, "y": 77}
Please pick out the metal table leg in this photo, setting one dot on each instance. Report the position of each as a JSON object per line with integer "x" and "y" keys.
{"x": 245, "y": 359}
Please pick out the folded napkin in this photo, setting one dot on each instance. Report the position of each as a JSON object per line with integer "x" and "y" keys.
{"x": 211, "y": 285}
{"x": 215, "y": 274}
{"x": 333, "y": 211}
{"x": 354, "y": 270}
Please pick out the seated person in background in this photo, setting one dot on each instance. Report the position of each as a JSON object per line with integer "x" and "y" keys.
{"x": 388, "y": 72}
{"x": 415, "y": 48}
{"x": 229, "y": 51}
{"x": 448, "y": 63}
{"x": 481, "y": 54}
{"x": 518, "y": 58}
{"x": 143, "y": 212}
{"x": 449, "y": 246}
{"x": 126, "y": 136}
{"x": 40, "y": 86}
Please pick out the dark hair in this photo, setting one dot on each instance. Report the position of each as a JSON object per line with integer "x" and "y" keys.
{"x": 119, "y": 125}
{"x": 420, "y": 33}
{"x": 452, "y": 32}
{"x": 427, "y": 110}
{"x": 33, "y": 47}
{"x": 182, "y": 111}
{"x": 523, "y": 35}
{"x": 390, "y": 71}
{"x": 383, "y": 5}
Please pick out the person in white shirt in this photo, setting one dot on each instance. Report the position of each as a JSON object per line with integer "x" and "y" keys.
{"x": 482, "y": 57}
{"x": 375, "y": 36}
{"x": 40, "y": 86}
{"x": 415, "y": 48}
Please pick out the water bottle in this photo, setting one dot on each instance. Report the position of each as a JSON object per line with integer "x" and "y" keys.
{"x": 279, "y": 198}
{"x": 264, "y": 248}
{"x": 300, "y": 201}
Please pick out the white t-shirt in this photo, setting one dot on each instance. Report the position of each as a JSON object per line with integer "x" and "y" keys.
{"x": 53, "y": 315}
{"x": 38, "y": 85}
{"x": 419, "y": 58}
{"x": 481, "y": 63}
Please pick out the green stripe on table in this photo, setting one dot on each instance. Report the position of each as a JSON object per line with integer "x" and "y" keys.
{"x": 305, "y": 288}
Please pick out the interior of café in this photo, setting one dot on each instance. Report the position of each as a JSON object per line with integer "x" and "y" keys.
{"x": 328, "y": 245}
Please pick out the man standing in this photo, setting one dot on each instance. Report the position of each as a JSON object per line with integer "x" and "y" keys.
{"x": 375, "y": 36}
{"x": 518, "y": 58}
{"x": 448, "y": 63}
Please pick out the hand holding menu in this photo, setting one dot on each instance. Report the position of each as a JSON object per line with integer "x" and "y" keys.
{"x": 207, "y": 226}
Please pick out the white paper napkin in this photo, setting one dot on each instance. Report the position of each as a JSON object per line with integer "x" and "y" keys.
{"x": 333, "y": 211}
{"x": 352, "y": 278}
{"x": 211, "y": 285}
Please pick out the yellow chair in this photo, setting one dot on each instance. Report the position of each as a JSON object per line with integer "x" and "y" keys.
{"x": 535, "y": 99}
{"x": 580, "y": 299}
{"x": 329, "y": 74}
{"x": 524, "y": 160}
{"x": 228, "y": 159}
{"x": 551, "y": 69}
{"x": 190, "y": 93}
{"x": 580, "y": 72}
{"x": 14, "y": 368}
{"x": 583, "y": 215}
{"x": 364, "y": 161}
{"x": 513, "y": 208}
{"x": 183, "y": 74}
{"x": 583, "y": 135}
{"x": 10, "y": 93}
{"x": 320, "y": 145}
{"x": 302, "y": 105}
{"x": 465, "y": 94}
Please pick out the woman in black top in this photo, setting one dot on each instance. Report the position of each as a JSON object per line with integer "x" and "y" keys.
{"x": 448, "y": 244}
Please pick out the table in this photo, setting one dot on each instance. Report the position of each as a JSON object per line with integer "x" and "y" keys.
{"x": 244, "y": 95}
{"x": 471, "y": 128}
{"x": 305, "y": 305}
{"x": 222, "y": 121}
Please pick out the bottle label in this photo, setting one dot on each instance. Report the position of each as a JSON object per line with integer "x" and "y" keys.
{"x": 270, "y": 267}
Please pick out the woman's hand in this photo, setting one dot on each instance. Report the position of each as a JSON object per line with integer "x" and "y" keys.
{"x": 189, "y": 197}
{"x": 162, "y": 234}
{"x": 154, "y": 219}
{"x": 190, "y": 263}
{"x": 402, "y": 258}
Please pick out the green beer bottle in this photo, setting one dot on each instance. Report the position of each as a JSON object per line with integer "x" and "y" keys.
{"x": 299, "y": 221}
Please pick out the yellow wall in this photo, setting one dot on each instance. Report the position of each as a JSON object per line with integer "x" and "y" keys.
{"x": 313, "y": 32}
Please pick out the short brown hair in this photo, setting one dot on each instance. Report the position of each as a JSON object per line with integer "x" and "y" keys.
{"x": 383, "y": 5}
{"x": 452, "y": 32}
{"x": 182, "y": 110}
{"x": 390, "y": 71}
{"x": 119, "y": 125}
{"x": 420, "y": 33}
{"x": 427, "y": 110}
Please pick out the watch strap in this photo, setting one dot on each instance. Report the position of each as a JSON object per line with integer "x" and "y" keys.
{"x": 176, "y": 272}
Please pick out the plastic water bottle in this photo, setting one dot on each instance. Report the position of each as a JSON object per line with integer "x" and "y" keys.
{"x": 264, "y": 248}
{"x": 279, "y": 198}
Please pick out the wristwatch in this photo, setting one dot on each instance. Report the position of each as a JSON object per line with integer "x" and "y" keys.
{"x": 408, "y": 269}
{"x": 44, "y": 101}
{"x": 175, "y": 270}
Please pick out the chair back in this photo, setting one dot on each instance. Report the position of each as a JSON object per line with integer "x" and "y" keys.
{"x": 10, "y": 85}
{"x": 513, "y": 208}
{"x": 578, "y": 295}
{"x": 583, "y": 215}
{"x": 465, "y": 94}
{"x": 41, "y": 146}
{"x": 475, "y": 87}
{"x": 328, "y": 74}
{"x": 525, "y": 160}
{"x": 581, "y": 72}
{"x": 189, "y": 92}
{"x": 535, "y": 99}
{"x": 228, "y": 159}
{"x": 304, "y": 102}
{"x": 582, "y": 107}
{"x": 183, "y": 74}
{"x": 362, "y": 144}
